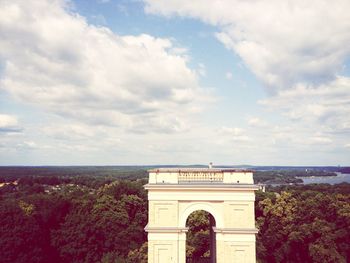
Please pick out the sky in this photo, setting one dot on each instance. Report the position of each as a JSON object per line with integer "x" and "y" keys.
{"x": 142, "y": 82}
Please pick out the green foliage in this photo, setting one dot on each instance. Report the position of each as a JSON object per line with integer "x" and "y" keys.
{"x": 53, "y": 175}
{"x": 138, "y": 255}
{"x": 21, "y": 239}
{"x": 112, "y": 257}
{"x": 101, "y": 227}
{"x": 67, "y": 216}
{"x": 198, "y": 237}
{"x": 95, "y": 221}
{"x": 27, "y": 209}
{"x": 303, "y": 226}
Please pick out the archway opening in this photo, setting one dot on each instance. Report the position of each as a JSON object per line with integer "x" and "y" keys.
{"x": 200, "y": 238}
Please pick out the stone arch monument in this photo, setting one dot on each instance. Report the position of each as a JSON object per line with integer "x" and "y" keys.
{"x": 227, "y": 194}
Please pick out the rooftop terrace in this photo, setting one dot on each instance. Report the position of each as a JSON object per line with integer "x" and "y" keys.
{"x": 200, "y": 176}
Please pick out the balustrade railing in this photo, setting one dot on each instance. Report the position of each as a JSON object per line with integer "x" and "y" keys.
{"x": 197, "y": 176}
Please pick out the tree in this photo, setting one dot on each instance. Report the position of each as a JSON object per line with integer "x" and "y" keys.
{"x": 138, "y": 255}
{"x": 21, "y": 236}
{"x": 198, "y": 238}
{"x": 304, "y": 226}
{"x": 91, "y": 229}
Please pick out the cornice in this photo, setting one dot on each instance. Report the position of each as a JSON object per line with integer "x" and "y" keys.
{"x": 236, "y": 230}
{"x": 200, "y": 187}
{"x": 166, "y": 229}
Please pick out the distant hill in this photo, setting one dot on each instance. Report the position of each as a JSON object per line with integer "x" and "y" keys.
{"x": 344, "y": 170}
{"x": 262, "y": 174}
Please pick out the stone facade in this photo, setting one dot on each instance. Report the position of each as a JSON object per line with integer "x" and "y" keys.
{"x": 228, "y": 195}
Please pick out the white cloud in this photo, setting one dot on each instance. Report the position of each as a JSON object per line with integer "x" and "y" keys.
{"x": 70, "y": 132}
{"x": 228, "y": 75}
{"x": 27, "y": 145}
{"x": 325, "y": 105}
{"x": 234, "y": 134}
{"x": 232, "y": 130}
{"x": 9, "y": 123}
{"x": 257, "y": 122}
{"x": 56, "y": 61}
{"x": 296, "y": 48}
{"x": 109, "y": 90}
{"x": 320, "y": 140}
{"x": 282, "y": 42}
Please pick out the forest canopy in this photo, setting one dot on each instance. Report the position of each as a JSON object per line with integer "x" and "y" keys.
{"x": 101, "y": 217}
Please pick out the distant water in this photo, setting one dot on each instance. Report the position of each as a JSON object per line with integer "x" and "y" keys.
{"x": 340, "y": 178}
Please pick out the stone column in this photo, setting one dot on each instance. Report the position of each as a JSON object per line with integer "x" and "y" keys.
{"x": 182, "y": 246}
{"x": 235, "y": 245}
{"x": 163, "y": 246}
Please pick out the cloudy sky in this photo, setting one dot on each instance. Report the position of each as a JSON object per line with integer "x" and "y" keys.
{"x": 103, "y": 82}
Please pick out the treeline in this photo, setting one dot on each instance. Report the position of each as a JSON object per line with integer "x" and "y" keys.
{"x": 73, "y": 173}
{"x": 12, "y": 173}
{"x": 73, "y": 223}
{"x": 345, "y": 170}
{"x": 287, "y": 176}
{"x": 305, "y": 223}
{"x": 102, "y": 219}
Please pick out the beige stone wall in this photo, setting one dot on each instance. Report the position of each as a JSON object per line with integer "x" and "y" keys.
{"x": 235, "y": 247}
{"x": 162, "y": 251}
{"x": 240, "y": 252}
{"x": 163, "y": 213}
{"x": 231, "y": 204}
{"x": 239, "y": 214}
{"x": 237, "y": 177}
{"x": 167, "y": 178}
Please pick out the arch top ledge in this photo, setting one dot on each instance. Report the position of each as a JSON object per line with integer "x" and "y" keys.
{"x": 207, "y": 187}
{"x": 213, "y": 176}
